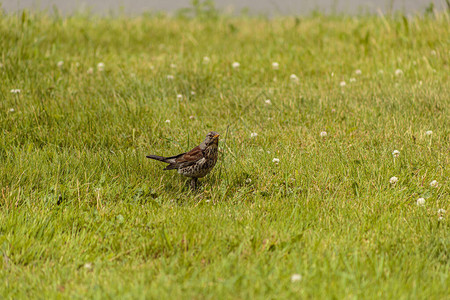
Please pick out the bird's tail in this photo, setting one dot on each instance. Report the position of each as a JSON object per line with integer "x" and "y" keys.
{"x": 156, "y": 157}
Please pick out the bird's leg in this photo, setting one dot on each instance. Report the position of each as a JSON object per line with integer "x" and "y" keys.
{"x": 194, "y": 183}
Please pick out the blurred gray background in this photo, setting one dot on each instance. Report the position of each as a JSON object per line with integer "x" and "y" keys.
{"x": 266, "y": 7}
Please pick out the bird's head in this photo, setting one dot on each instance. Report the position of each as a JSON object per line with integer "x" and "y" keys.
{"x": 211, "y": 138}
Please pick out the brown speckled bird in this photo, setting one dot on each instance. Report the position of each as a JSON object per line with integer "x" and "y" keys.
{"x": 196, "y": 163}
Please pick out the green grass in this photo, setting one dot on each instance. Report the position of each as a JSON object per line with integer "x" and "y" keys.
{"x": 83, "y": 213}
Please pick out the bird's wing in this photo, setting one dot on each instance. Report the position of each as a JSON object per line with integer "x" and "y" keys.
{"x": 190, "y": 157}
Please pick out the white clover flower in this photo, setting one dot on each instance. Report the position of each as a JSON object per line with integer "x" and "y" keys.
{"x": 293, "y": 78}
{"x": 381, "y": 72}
{"x": 393, "y": 180}
{"x": 192, "y": 93}
{"x": 15, "y": 91}
{"x": 100, "y": 66}
{"x": 173, "y": 66}
{"x": 269, "y": 119}
{"x": 333, "y": 110}
{"x": 179, "y": 97}
{"x": 253, "y": 135}
{"x": 192, "y": 117}
{"x": 441, "y": 211}
{"x": 152, "y": 67}
{"x": 11, "y": 110}
{"x": 332, "y": 74}
{"x": 268, "y": 102}
{"x": 440, "y": 218}
{"x": 434, "y": 183}
{"x": 60, "y": 64}
{"x": 429, "y": 132}
{"x": 90, "y": 70}
{"x": 352, "y": 79}
{"x": 323, "y": 134}
{"x": 206, "y": 59}
{"x": 395, "y": 153}
{"x": 358, "y": 72}
{"x": 296, "y": 277}
{"x": 170, "y": 77}
{"x": 398, "y": 72}
{"x": 167, "y": 121}
{"x": 248, "y": 180}
{"x": 235, "y": 65}
{"x": 275, "y": 65}
{"x": 88, "y": 266}
{"x": 433, "y": 52}
{"x": 1, "y": 65}
{"x": 420, "y": 202}
{"x": 275, "y": 160}
{"x": 342, "y": 83}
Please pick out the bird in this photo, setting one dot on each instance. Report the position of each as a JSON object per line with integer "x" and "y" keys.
{"x": 195, "y": 163}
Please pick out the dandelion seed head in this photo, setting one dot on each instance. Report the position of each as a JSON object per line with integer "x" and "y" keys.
{"x": 393, "y": 180}
{"x": 100, "y": 66}
{"x": 434, "y": 183}
{"x": 296, "y": 277}
{"x": 395, "y": 153}
{"x": 293, "y": 77}
{"x": 420, "y": 202}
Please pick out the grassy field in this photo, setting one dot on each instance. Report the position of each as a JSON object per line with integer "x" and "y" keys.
{"x": 83, "y": 213}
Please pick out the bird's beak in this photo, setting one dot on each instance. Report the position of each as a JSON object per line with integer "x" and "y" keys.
{"x": 216, "y": 136}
